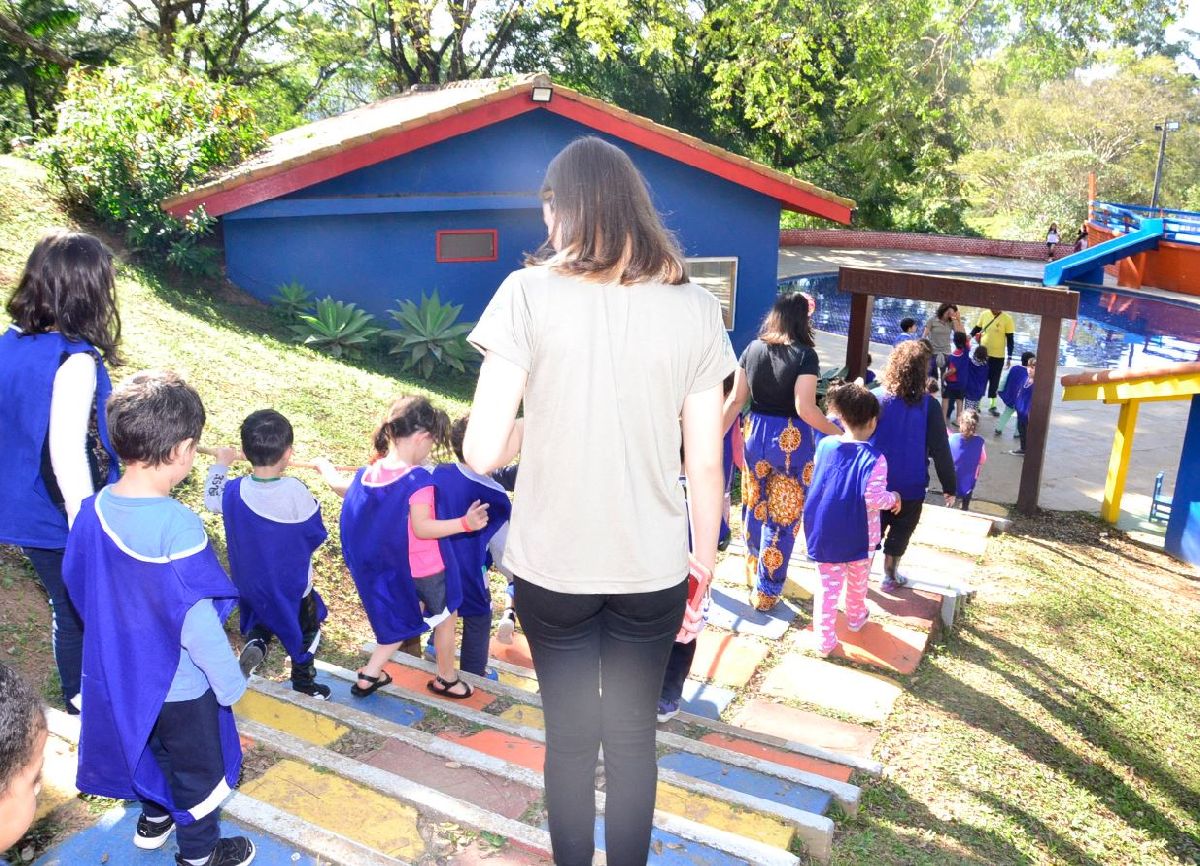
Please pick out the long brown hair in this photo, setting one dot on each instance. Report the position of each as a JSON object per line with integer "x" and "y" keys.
{"x": 68, "y": 286}
{"x": 906, "y": 371}
{"x": 787, "y": 324}
{"x": 409, "y": 415}
{"x": 606, "y": 225}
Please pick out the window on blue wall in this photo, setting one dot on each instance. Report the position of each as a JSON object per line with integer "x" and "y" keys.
{"x": 467, "y": 245}
{"x": 719, "y": 276}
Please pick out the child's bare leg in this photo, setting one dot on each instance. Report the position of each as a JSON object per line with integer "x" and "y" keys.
{"x": 443, "y": 641}
{"x": 378, "y": 659}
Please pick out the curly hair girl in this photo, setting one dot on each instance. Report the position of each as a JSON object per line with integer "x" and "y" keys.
{"x": 907, "y": 370}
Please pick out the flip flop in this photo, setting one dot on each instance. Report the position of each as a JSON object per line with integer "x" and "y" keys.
{"x": 439, "y": 686}
{"x": 377, "y": 683}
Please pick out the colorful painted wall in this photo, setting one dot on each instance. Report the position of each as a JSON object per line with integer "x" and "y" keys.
{"x": 369, "y": 236}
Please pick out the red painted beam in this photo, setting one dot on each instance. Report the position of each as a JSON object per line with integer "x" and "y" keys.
{"x": 353, "y": 158}
{"x": 696, "y": 157}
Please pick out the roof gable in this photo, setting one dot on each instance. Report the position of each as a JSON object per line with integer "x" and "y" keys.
{"x": 392, "y": 127}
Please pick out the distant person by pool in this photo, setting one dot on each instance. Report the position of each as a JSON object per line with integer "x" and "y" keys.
{"x": 1051, "y": 240}
{"x": 939, "y": 331}
{"x": 908, "y": 331}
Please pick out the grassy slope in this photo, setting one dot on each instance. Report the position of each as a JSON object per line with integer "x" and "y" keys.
{"x": 1057, "y": 725}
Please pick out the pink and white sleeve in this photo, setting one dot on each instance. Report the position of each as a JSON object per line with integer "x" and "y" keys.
{"x": 877, "y": 495}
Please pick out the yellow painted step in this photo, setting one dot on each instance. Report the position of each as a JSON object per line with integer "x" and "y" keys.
{"x": 527, "y": 684}
{"x": 523, "y": 714}
{"x": 282, "y": 716}
{"x": 724, "y": 816}
{"x": 732, "y": 571}
{"x": 340, "y": 806}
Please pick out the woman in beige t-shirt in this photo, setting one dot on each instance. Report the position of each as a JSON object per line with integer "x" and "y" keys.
{"x": 609, "y": 347}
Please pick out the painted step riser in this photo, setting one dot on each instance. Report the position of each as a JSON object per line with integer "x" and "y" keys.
{"x": 846, "y": 794}
{"x": 719, "y": 840}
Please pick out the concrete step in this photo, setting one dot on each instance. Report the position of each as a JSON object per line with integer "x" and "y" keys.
{"x": 505, "y": 785}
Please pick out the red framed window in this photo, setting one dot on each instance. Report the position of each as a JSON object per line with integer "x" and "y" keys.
{"x": 467, "y": 245}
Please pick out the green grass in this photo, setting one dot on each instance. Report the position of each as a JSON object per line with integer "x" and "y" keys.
{"x": 1058, "y": 724}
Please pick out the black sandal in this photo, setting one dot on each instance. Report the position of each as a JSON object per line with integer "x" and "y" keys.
{"x": 384, "y": 679}
{"x": 439, "y": 686}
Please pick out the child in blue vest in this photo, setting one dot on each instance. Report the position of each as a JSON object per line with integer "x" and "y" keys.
{"x": 954, "y": 380}
{"x": 22, "y": 743}
{"x": 272, "y": 528}
{"x": 394, "y": 546}
{"x": 841, "y": 514}
{"x": 457, "y": 488}
{"x": 1024, "y": 400}
{"x": 159, "y": 678}
{"x": 977, "y": 378}
{"x": 967, "y": 448}
{"x": 1013, "y": 382}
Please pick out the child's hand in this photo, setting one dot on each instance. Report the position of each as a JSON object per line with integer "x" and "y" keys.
{"x": 950, "y": 499}
{"x": 897, "y": 505}
{"x": 325, "y": 466}
{"x": 476, "y": 516}
{"x": 226, "y": 456}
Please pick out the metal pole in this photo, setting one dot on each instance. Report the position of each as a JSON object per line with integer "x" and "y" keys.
{"x": 1162, "y": 152}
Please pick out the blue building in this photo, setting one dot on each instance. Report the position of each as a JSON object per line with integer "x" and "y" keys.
{"x": 438, "y": 189}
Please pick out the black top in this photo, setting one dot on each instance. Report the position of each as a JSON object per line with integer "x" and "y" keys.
{"x": 937, "y": 444}
{"x": 771, "y": 373}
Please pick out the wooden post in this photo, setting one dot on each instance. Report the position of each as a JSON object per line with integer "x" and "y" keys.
{"x": 1118, "y": 461}
{"x": 1038, "y": 428}
{"x": 858, "y": 341}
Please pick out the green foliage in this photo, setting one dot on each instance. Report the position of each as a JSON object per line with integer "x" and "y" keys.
{"x": 129, "y": 137}
{"x": 292, "y": 299}
{"x": 337, "y": 328}
{"x": 428, "y": 336}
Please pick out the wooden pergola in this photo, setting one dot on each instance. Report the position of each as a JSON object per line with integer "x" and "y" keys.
{"x": 1051, "y": 304}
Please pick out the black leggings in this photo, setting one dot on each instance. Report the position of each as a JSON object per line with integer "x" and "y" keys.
{"x": 897, "y": 529}
{"x": 995, "y": 371}
{"x": 580, "y": 645}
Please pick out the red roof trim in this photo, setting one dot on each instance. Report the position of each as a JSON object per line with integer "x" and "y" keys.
{"x": 403, "y": 141}
{"x": 352, "y": 158}
{"x": 790, "y": 196}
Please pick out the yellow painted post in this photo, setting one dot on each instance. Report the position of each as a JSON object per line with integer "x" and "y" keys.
{"x": 1118, "y": 461}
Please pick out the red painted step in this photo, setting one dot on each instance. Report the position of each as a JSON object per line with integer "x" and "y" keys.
{"x": 838, "y": 772}
{"x": 515, "y": 750}
{"x": 416, "y": 680}
{"x": 885, "y": 645}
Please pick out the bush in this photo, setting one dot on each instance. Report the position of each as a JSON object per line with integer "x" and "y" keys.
{"x": 337, "y": 328}
{"x": 292, "y": 299}
{"x": 129, "y": 137}
{"x": 428, "y": 336}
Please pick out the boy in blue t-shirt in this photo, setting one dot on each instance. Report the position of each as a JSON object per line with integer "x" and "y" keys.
{"x": 159, "y": 677}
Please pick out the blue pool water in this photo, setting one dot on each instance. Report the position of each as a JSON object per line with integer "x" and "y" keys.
{"x": 1116, "y": 328}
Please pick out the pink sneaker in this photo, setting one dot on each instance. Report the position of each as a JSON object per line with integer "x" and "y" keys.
{"x": 858, "y": 626}
{"x": 825, "y": 652}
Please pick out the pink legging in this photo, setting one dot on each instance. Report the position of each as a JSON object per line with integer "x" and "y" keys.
{"x": 834, "y": 575}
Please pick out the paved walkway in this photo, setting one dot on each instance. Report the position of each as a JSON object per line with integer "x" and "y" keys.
{"x": 1080, "y": 433}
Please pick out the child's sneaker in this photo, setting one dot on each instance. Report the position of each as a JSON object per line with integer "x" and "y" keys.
{"x": 1020, "y": 452}
{"x": 492, "y": 674}
{"x": 152, "y": 834}
{"x": 316, "y": 691}
{"x": 893, "y": 583}
{"x": 667, "y": 710}
{"x": 252, "y": 656}
{"x": 508, "y": 625}
{"x": 234, "y": 851}
{"x": 858, "y": 626}
{"x": 824, "y": 652}
{"x": 430, "y": 651}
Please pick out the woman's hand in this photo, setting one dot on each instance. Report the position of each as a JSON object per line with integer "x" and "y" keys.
{"x": 695, "y": 612}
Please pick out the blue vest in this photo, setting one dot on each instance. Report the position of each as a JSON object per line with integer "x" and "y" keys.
{"x": 1024, "y": 399}
{"x": 1012, "y": 385}
{"x": 29, "y": 516}
{"x": 900, "y": 437}
{"x": 132, "y": 609}
{"x": 966, "y": 453}
{"x": 956, "y": 371}
{"x": 269, "y": 564}
{"x": 835, "y": 513}
{"x": 456, "y": 490}
{"x": 374, "y": 529}
{"x": 977, "y": 380}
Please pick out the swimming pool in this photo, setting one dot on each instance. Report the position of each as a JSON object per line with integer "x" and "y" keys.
{"x": 1115, "y": 328}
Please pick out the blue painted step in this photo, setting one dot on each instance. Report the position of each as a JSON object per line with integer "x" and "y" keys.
{"x": 677, "y": 851}
{"x": 110, "y": 841}
{"x": 381, "y": 705}
{"x": 705, "y": 699}
{"x": 760, "y": 785}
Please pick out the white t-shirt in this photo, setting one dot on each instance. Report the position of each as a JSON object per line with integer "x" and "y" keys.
{"x": 598, "y": 504}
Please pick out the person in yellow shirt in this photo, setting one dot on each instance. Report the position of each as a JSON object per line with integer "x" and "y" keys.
{"x": 994, "y": 329}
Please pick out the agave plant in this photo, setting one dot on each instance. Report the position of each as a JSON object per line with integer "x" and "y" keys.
{"x": 336, "y": 327}
{"x": 292, "y": 299}
{"x": 429, "y": 337}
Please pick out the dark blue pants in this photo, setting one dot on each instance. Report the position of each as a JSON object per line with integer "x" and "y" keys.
{"x": 186, "y": 743}
{"x": 476, "y": 641}
{"x": 678, "y": 665}
{"x": 66, "y": 624}
{"x": 600, "y": 661}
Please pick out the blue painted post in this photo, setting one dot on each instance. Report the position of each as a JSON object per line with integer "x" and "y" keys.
{"x": 1183, "y": 529}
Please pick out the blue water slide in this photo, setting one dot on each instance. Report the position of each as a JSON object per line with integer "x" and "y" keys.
{"x": 1087, "y": 266}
